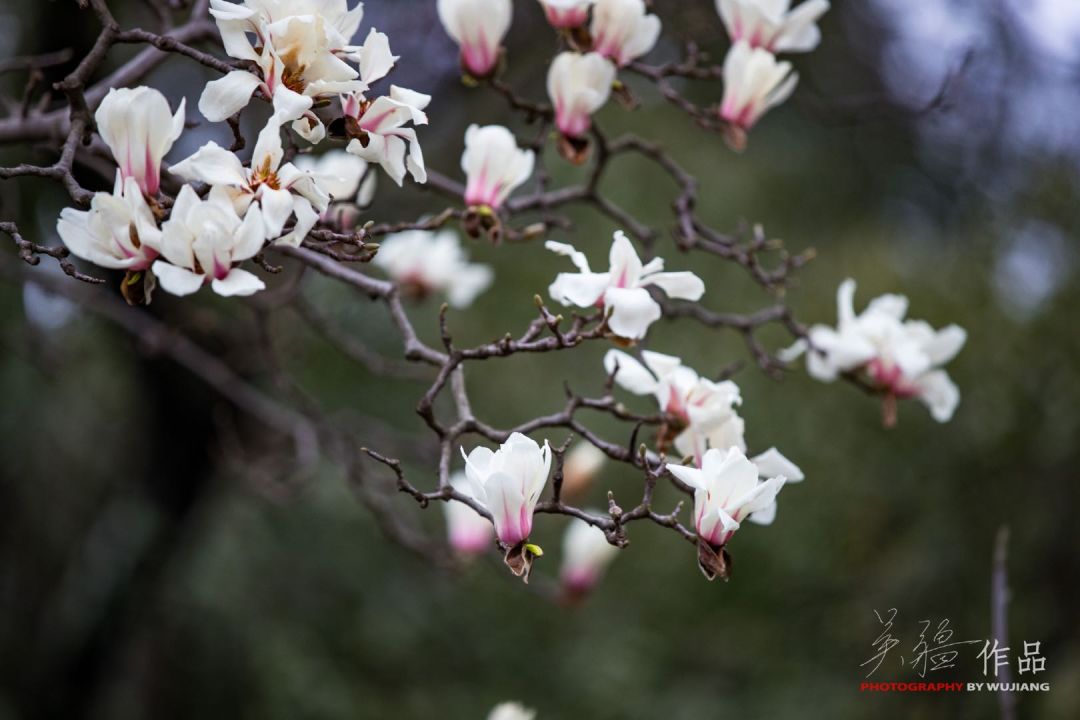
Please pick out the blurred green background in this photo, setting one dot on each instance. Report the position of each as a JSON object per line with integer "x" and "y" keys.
{"x": 148, "y": 570}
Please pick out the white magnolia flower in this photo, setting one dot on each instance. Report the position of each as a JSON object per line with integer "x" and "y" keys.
{"x": 705, "y": 410}
{"x": 566, "y": 14}
{"x": 621, "y": 29}
{"x": 280, "y": 190}
{"x": 580, "y": 466}
{"x": 511, "y": 711}
{"x": 754, "y": 81}
{"x": 586, "y": 554}
{"x": 470, "y": 533}
{"x": 772, "y": 25}
{"x": 379, "y": 135}
{"x": 300, "y": 48}
{"x": 139, "y": 128}
{"x": 578, "y": 86}
{"x": 508, "y": 482}
{"x": 118, "y": 231}
{"x": 493, "y": 165}
{"x": 203, "y": 240}
{"x": 426, "y": 262}
{"x": 903, "y": 358}
{"x": 622, "y": 289}
{"x": 478, "y": 27}
{"x": 727, "y": 490}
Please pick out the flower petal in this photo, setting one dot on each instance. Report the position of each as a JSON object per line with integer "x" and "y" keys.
{"x": 238, "y": 283}
{"x": 633, "y": 311}
{"x": 939, "y": 393}
{"x": 211, "y": 164}
{"x": 580, "y": 289}
{"x": 772, "y": 463}
{"x": 276, "y": 206}
{"x": 680, "y": 285}
{"x": 177, "y": 280}
{"x": 227, "y": 96}
{"x": 631, "y": 375}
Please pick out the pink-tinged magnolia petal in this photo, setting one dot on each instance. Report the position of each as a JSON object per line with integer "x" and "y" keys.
{"x": 337, "y": 172}
{"x": 772, "y": 463}
{"x": 801, "y": 33}
{"x": 277, "y": 206}
{"x": 223, "y": 98}
{"x": 691, "y": 476}
{"x": 633, "y": 311}
{"x": 384, "y": 114}
{"x": 477, "y": 468}
{"x": 939, "y": 393}
{"x": 754, "y": 81}
{"x": 683, "y": 285}
{"x": 177, "y": 280}
{"x": 289, "y": 105}
{"x": 759, "y": 498}
{"x": 228, "y": 10}
{"x": 631, "y": 375}
{"x": 580, "y": 289}
{"x": 794, "y": 351}
{"x": 764, "y": 516}
{"x": 843, "y": 351}
{"x": 625, "y": 264}
{"x": 845, "y": 303}
{"x": 946, "y": 344}
{"x": 305, "y": 184}
{"x": 415, "y": 161}
{"x": 234, "y": 34}
{"x": 250, "y": 237}
{"x": 175, "y": 236}
{"x": 74, "y": 230}
{"x": 714, "y": 525}
{"x": 238, "y": 283}
{"x": 663, "y": 365}
{"x": 306, "y": 218}
{"x": 268, "y": 148}
{"x": 387, "y": 152}
{"x": 211, "y": 164}
{"x": 505, "y": 500}
{"x": 891, "y": 305}
{"x": 415, "y": 100}
{"x": 576, "y": 257}
{"x": 375, "y": 58}
{"x": 310, "y": 128}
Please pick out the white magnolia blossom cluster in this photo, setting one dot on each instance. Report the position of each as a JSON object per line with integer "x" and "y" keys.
{"x": 301, "y": 52}
{"x": 301, "y": 58}
{"x": 709, "y": 431}
{"x": 900, "y": 358}
{"x": 754, "y": 80}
